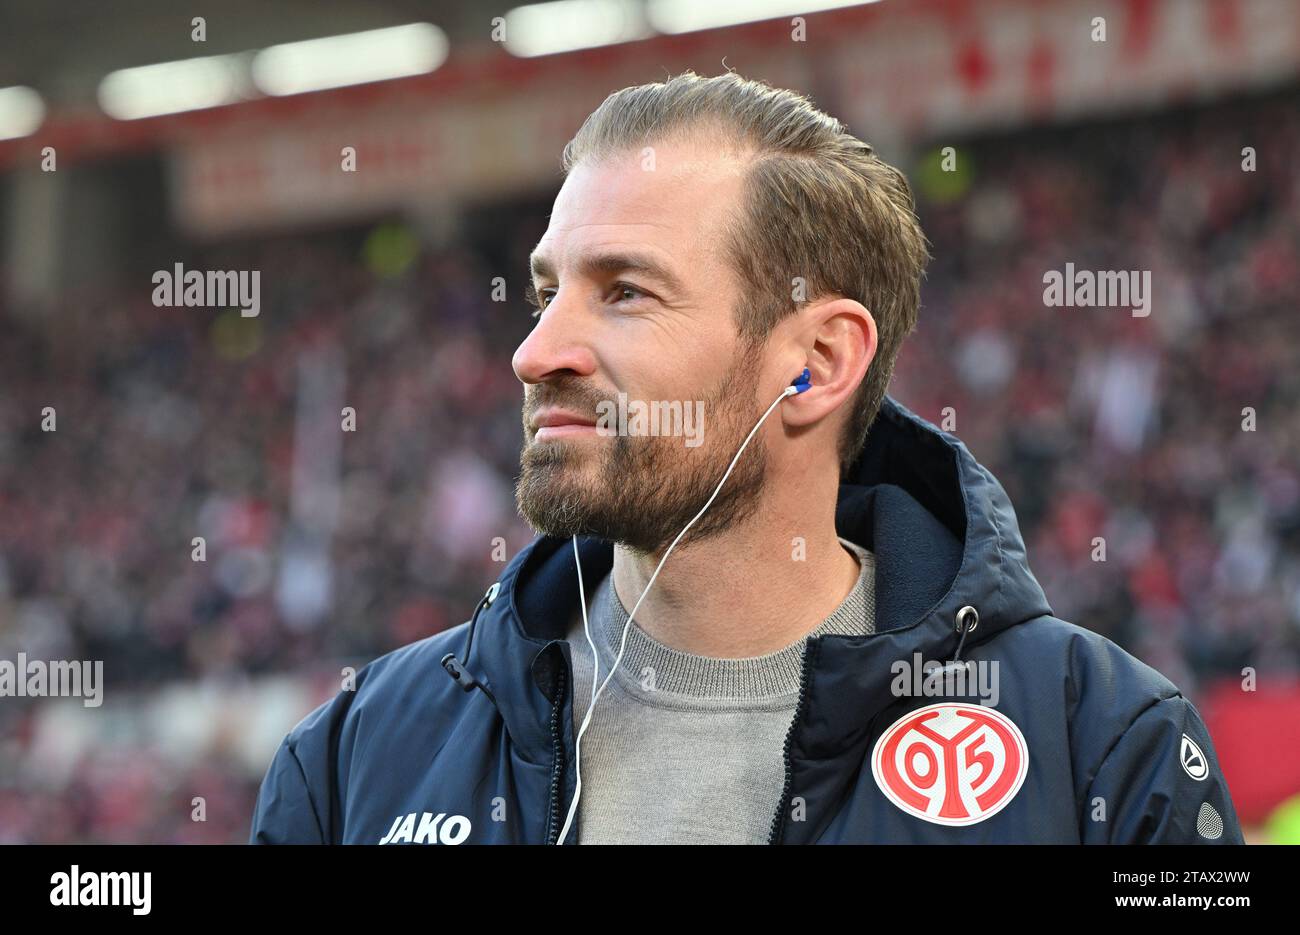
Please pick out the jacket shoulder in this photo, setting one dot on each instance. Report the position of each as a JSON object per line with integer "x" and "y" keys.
{"x": 409, "y": 673}
{"x": 1145, "y": 768}
{"x": 300, "y": 797}
{"x": 1097, "y": 671}
{"x": 1096, "y": 687}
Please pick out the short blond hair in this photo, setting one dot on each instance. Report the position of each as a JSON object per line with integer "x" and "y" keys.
{"x": 820, "y": 207}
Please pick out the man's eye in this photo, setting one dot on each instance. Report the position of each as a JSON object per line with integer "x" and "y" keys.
{"x": 539, "y": 301}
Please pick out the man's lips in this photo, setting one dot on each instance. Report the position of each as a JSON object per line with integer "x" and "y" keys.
{"x": 555, "y": 423}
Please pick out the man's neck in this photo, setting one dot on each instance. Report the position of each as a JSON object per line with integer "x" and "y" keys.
{"x": 753, "y": 589}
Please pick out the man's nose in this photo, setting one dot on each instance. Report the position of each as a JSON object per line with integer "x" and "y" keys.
{"x": 556, "y": 345}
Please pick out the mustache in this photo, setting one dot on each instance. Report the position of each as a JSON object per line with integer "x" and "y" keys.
{"x": 568, "y": 393}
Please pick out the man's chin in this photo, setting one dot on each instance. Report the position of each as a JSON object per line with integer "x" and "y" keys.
{"x": 554, "y": 497}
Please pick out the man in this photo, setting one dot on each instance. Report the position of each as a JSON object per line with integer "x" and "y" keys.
{"x": 847, "y": 645}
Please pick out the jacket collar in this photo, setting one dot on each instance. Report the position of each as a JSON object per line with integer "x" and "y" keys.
{"x": 944, "y": 536}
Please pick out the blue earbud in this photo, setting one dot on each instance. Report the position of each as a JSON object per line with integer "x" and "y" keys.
{"x": 803, "y": 381}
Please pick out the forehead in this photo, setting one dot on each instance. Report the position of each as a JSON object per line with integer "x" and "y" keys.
{"x": 672, "y": 200}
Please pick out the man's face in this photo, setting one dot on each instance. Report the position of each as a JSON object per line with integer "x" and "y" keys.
{"x": 639, "y": 299}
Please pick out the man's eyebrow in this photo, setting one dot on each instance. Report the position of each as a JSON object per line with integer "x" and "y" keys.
{"x": 609, "y": 264}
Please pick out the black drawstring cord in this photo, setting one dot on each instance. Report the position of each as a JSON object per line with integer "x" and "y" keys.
{"x": 966, "y": 614}
{"x": 458, "y": 670}
{"x": 968, "y": 619}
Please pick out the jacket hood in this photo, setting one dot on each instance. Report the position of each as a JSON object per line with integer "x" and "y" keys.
{"x": 942, "y": 529}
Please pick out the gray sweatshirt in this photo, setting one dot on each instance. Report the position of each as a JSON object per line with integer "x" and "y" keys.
{"x": 685, "y": 748}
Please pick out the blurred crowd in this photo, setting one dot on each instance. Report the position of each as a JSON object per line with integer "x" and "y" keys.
{"x": 187, "y": 521}
{"x": 1153, "y": 460}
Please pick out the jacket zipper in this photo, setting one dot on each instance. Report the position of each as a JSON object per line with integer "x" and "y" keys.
{"x": 557, "y": 762}
{"x": 557, "y": 741}
{"x": 778, "y": 820}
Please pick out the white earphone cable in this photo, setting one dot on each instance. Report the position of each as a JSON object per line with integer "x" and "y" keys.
{"x": 577, "y": 792}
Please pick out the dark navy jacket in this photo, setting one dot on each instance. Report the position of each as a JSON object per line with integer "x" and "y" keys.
{"x": 1101, "y": 748}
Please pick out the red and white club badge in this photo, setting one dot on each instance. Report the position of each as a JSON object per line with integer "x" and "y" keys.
{"x": 951, "y": 763}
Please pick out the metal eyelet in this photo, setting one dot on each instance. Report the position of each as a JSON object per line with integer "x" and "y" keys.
{"x": 968, "y": 618}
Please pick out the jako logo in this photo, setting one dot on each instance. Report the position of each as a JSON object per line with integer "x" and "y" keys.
{"x": 102, "y": 889}
{"x": 1193, "y": 760}
{"x": 404, "y": 831}
{"x": 951, "y": 764}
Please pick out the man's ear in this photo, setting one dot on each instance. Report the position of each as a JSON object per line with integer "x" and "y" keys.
{"x": 839, "y": 339}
